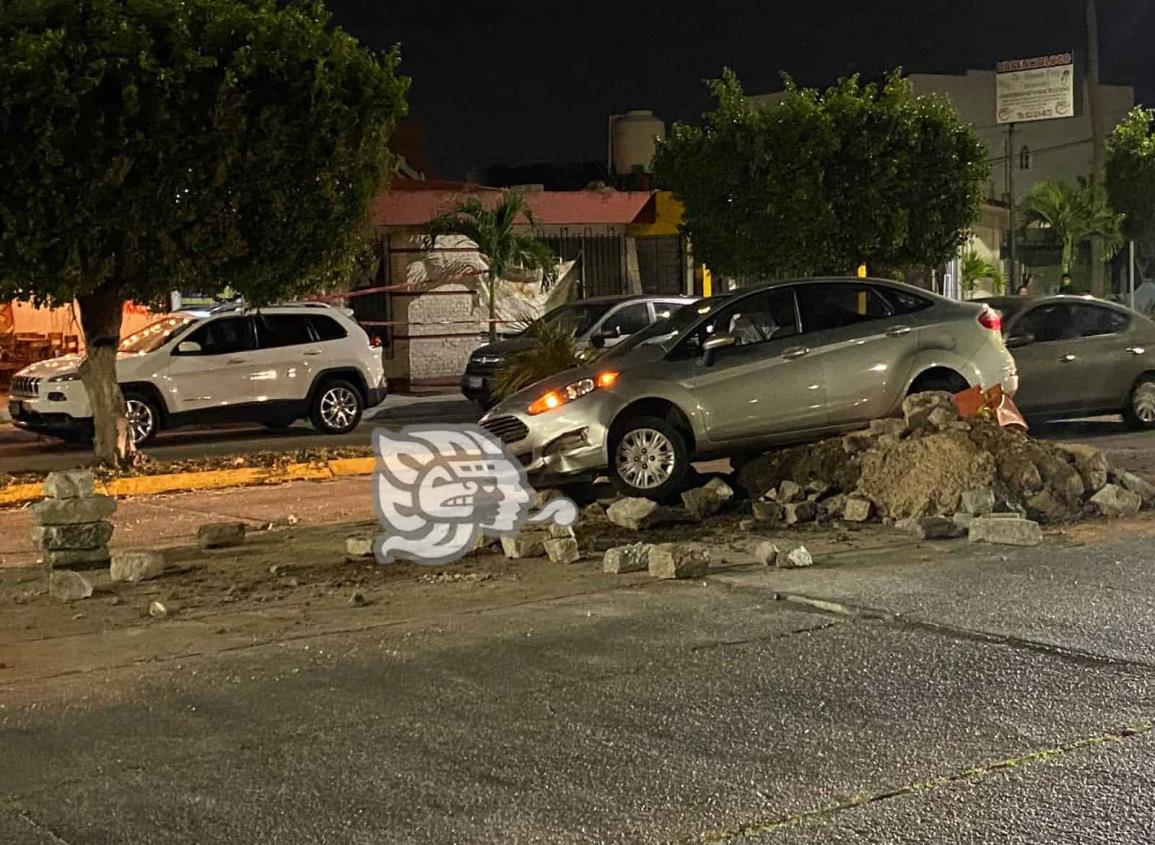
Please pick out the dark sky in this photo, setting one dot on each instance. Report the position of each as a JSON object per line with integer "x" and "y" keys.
{"x": 497, "y": 81}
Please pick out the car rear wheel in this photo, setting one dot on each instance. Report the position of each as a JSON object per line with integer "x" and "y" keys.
{"x": 948, "y": 383}
{"x": 142, "y": 416}
{"x": 649, "y": 458}
{"x": 337, "y": 407}
{"x": 1140, "y": 409}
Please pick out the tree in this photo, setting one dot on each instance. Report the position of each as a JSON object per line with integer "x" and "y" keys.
{"x": 1072, "y": 214}
{"x": 823, "y": 182}
{"x": 1131, "y": 178}
{"x": 153, "y": 145}
{"x": 975, "y": 268}
{"x": 499, "y": 244}
{"x": 554, "y": 350}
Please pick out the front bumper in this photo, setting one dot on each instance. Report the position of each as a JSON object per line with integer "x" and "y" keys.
{"x": 477, "y": 388}
{"x": 567, "y": 444}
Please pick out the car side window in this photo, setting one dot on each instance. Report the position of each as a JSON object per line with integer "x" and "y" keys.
{"x": 760, "y": 317}
{"x": 278, "y": 330}
{"x": 224, "y": 336}
{"x": 663, "y": 310}
{"x": 905, "y": 302}
{"x": 626, "y": 320}
{"x": 326, "y": 328}
{"x": 1092, "y": 320}
{"x": 833, "y": 306}
{"x": 1047, "y": 323}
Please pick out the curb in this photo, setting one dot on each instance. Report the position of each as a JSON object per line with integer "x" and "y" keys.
{"x": 221, "y": 479}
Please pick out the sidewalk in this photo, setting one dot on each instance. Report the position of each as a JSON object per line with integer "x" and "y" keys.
{"x": 172, "y": 519}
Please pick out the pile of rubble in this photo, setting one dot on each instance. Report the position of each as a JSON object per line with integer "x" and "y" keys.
{"x": 931, "y": 469}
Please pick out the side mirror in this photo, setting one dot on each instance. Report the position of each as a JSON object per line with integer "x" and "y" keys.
{"x": 1017, "y": 340}
{"x": 710, "y": 347}
{"x": 598, "y": 339}
{"x": 188, "y": 347}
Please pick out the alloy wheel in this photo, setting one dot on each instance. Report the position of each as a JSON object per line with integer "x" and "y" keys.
{"x": 339, "y": 407}
{"x": 645, "y": 458}
{"x": 1143, "y": 402}
{"x": 141, "y": 420}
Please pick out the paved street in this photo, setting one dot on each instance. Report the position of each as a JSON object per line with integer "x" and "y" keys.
{"x": 913, "y": 693}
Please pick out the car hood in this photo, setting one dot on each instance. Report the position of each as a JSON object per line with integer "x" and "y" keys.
{"x": 636, "y": 361}
{"x": 502, "y": 348}
{"x": 64, "y": 365}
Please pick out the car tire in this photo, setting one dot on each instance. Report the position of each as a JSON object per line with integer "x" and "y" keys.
{"x": 143, "y": 417}
{"x": 337, "y": 407}
{"x": 1139, "y": 412}
{"x": 649, "y": 459}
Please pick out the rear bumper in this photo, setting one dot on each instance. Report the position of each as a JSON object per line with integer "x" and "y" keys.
{"x": 376, "y": 396}
{"x": 478, "y": 389}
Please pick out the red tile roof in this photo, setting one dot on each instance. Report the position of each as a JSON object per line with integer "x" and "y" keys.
{"x": 411, "y": 203}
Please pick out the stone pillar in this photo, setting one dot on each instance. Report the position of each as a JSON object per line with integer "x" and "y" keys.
{"x": 71, "y": 522}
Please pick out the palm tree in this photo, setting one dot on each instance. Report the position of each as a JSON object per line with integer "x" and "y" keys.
{"x": 975, "y": 267}
{"x": 500, "y": 246}
{"x": 1073, "y": 214}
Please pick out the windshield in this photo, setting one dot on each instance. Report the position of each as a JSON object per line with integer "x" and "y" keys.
{"x": 580, "y": 315}
{"x": 155, "y": 335}
{"x": 665, "y": 333}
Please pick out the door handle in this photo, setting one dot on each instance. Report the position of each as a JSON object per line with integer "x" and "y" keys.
{"x": 895, "y": 331}
{"x": 795, "y": 352}
{"x": 236, "y": 361}
{"x": 1068, "y": 358}
{"x": 312, "y": 352}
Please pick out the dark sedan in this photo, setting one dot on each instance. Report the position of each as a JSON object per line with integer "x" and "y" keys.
{"x": 1080, "y": 356}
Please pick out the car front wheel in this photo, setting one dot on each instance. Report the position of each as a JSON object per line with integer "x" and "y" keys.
{"x": 649, "y": 458}
{"x": 337, "y": 407}
{"x": 142, "y": 417}
{"x": 1140, "y": 409}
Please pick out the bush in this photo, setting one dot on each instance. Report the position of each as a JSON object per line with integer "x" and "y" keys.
{"x": 553, "y": 351}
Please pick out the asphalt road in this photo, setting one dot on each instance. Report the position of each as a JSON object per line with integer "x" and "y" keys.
{"x": 21, "y": 451}
{"x": 943, "y": 694}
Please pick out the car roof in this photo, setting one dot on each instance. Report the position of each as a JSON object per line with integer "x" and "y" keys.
{"x": 1085, "y": 298}
{"x": 633, "y": 297}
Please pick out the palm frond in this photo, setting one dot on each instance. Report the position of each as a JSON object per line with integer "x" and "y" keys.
{"x": 553, "y": 352}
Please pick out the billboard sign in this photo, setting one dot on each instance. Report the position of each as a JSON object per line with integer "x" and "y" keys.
{"x": 1042, "y": 88}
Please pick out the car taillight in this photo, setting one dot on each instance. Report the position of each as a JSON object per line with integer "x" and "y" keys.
{"x": 375, "y": 341}
{"x": 991, "y": 319}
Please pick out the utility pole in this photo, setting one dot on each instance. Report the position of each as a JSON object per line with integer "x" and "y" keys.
{"x": 1098, "y": 145}
{"x": 1012, "y": 235}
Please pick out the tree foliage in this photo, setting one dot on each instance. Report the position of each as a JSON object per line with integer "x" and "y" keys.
{"x": 554, "y": 350}
{"x": 1072, "y": 215}
{"x": 975, "y": 267}
{"x": 824, "y": 181}
{"x": 152, "y": 145}
{"x": 499, "y": 243}
{"x": 1131, "y": 177}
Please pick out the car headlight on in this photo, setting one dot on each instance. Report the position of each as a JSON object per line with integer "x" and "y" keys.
{"x": 65, "y": 377}
{"x": 556, "y": 398}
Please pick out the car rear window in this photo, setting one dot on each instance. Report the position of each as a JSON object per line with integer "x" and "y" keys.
{"x": 277, "y": 330}
{"x": 326, "y": 328}
{"x": 833, "y": 306}
{"x": 905, "y": 302}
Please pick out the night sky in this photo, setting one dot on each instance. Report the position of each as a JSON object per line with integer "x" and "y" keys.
{"x": 503, "y": 82}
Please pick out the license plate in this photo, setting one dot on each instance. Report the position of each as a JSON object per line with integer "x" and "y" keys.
{"x": 15, "y": 408}
{"x": 473, "y": 381}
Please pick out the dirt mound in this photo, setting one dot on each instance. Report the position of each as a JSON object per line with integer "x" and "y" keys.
{"x": 931, "y": 462}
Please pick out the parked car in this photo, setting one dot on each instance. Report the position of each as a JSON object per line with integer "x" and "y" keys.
{"x": 1080, "y": 356}
{"x": 600, "y": 322}
{"x": 272, "y": 366}
{"x": 777, "y": 363}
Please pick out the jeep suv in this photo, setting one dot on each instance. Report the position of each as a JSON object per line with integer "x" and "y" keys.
{"x": 271, "y": 366}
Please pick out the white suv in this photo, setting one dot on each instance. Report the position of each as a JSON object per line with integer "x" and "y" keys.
{"x": 273, "y": 366}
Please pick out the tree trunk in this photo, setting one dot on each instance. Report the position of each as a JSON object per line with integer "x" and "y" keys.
{"x": 100, "y": 317}
{"x": 492, "y": 308}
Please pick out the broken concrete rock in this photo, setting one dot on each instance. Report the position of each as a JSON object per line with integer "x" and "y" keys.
{"x": 638, "y": 514}
{"x": 941, "y": 417}
{"x": 562, "y": 549}
{"x": 622, "y": 559}
{"x": 73, "y": 510}
{"x": 68, "y": 586}
{"x": 890, "y": 425}
{"x": 679, "y": 560}
{"x": 1091, "y": 464}
{"x": 798, "y": 512}
{"x": 720, "y": 489}
{"x": 1141, "y": 487}
{"x": 796, "y": 557}
{"x": 768, "y": 511}
{"x": 137, "y": 566}
{"x": 220, "y": 535}
{"x": 857, "y": 441}
{"x": 767, "y": 553}
{"x": 77, "y": 558}
{"x": 701, "y": 502}
{"x": 932, "y": 527}
{"x": 917, "y": 408}
{"x": 69, "y": 484}
{"x": 789, "y": 491}
{"x": 1005, "y": 530}
{"x": 359, "y": 545}
{"x": 977, "y": 502}
{"x": 1114, "y": 500}
{"x": 857, "y": 509}
{"x": 593, "y": 514}
{"x": 81, "y": 535}
{"x": 560, "y": 532}
{"x": 529, "y": 543}
{"x": 1044, "y": 507}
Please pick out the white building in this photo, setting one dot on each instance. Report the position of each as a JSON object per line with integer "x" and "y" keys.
{"x": 1043, "y": 149}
